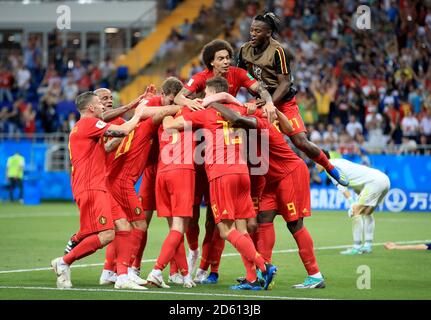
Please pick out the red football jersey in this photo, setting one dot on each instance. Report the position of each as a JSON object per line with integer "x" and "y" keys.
{"x": 224, "y": 152}
{"x": 236, "y": 77}
{"x": 111, "y": 155}
{"x": 87, "y": 155}
{"x": 131, "y": 155}
{"x": 281, "y": 159}
{"x": 153, "y": 157}
{"x": 176, "y": 148}
{"x": 155, "y": 101}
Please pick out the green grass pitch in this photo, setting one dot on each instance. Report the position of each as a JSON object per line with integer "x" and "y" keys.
{"x": 33, "y": 235}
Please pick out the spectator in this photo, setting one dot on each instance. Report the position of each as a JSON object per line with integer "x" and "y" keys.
{"x": 15, "y": 173}
{"x": 408, "y": 146}
{"x": 353, "y": 126}
{"x": 425, "y": 126}
{"x": 22, "y": 77}
{"x": 70, "y": 88}
{"x": 6, "y": 81}
{"x": 410, "y": 126}
{"x": 324, "y": 94}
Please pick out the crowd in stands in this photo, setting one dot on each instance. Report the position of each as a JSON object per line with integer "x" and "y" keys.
{"x": 36, "y": 99}
{"x": 357, "y": 89}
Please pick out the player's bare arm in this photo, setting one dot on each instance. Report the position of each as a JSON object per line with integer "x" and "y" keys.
{"x": 152, "y": 111}
{"x": 127, "y": 127}
{"x": 112, "y": 144}
{"x": 220, "y": 97}
{"x": 184, "y": 98}
{"x": 234, "y": 118}
{"x": 117, "y": 112}
{"x": 284, "y": 123}
{"x": 169, "y": 123}
{"x": 164, "y": 112}
{"x": 282, "y": 89}
{"x": 268, "y": 107}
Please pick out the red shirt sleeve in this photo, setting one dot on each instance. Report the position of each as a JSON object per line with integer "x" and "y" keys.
{"x": 93, "y": 127}
{"x": 197, "y": 118}
{"x": 196, "y": 83}
{"x": 246, "y": 79}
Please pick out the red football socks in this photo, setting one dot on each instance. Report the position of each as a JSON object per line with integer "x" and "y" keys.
{"x": 180, "y": 258}
{"x": 249, "y": 266}
{"x": 110, "y": 257}
{"x": 323, "y": 161}
{"x": 139, "y": 239}
{"x": 86, "y": 247}
{"x": 246, "y": 248}
{"x": 192, "y": 235}
{"x": 306, "y": 250}
{"x": 123, "y": 250}
{"x": 206, "y": 249}
{"x": 217, "y": 247}
{"x": 168, "y": 249}
{"x": 138, "y": 260}
{"x": 266, "y": 240}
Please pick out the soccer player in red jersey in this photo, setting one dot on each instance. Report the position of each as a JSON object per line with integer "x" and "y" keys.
{"x": 229, "y": 184}
{"x": 127, "y": 165}
{"x": 287, "y": 192}
{"x": 88, "y": 182}
{"x": 217, "y": 56}
{"x": 267, "y": 61}
{"x": 170, "y": 87}
{"x": 175, "y": 189}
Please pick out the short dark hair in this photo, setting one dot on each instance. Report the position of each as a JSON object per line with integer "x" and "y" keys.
{"x": 219, "y": 84}
{"x": 172, "y": 85}
{"x": 210, "y": 49}
{"x": 84, "y": 99}
{"x": 327, "y": 154}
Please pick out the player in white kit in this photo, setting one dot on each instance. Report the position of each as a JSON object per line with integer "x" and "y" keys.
{"x": 372, "y": 186}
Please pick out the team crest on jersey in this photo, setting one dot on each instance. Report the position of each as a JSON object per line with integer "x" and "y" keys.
{"x": 138, "y": 211}
{"x": 103, "y": 220}
{"x": 100, "y": 124}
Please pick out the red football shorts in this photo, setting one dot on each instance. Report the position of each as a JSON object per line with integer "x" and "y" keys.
{"x": 257, "y": 184}
{"x": 175, "y": 191}
{"x": 201, "y": 186}
{"x": 290, "y": 196}
{"x": 94, "y": 212}
{"x": 124, "y": 193}
{"x": 147, "y": 190}
{"x": 116, "y": 210}
{"x": 230, "y": 197}
{"x": 291, "y": 111}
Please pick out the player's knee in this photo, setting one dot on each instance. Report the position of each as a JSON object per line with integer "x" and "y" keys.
{"x": 294, "y": 226}
{"x": 106, "y": 237}
{"x": 252, "y": 227}
{"x": 140, "y": 224}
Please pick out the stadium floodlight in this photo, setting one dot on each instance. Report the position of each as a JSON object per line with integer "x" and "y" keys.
{"x": 111, "y": 30}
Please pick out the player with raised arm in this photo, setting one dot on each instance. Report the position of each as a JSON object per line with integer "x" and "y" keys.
{"x": 175, "y": 190}
{"x": 267, "y": 61}
{"x": 229, "y": 184}
{"x": 372, "y": 186}
{"x": 89, "y": 183}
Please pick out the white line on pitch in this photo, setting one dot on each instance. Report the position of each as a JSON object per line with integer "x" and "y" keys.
{"x": 158, "y": 292}
{"x": 224, "y": 255}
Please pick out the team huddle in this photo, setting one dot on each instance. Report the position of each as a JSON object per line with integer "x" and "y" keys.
{"x": 196, "y": 144}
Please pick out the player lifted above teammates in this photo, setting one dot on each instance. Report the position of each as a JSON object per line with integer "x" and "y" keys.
{"x": 267, "y": 61}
